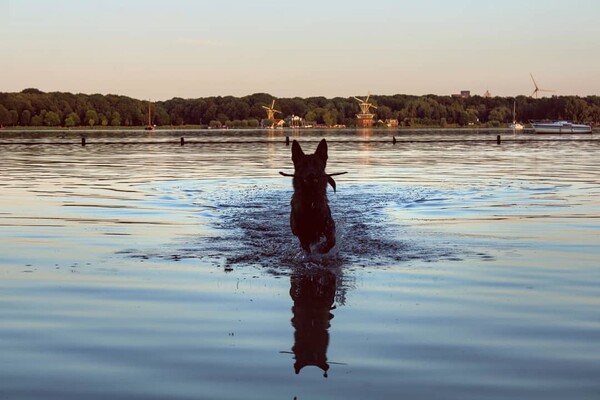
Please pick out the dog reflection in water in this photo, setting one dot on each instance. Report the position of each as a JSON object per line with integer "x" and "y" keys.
{"x": 313, "y": 294}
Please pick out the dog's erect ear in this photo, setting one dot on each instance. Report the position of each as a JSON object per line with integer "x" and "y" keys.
{"x": 297, "y": 152}
{"x": 322, "y": 150}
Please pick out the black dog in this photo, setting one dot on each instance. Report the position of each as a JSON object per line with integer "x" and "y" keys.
{"x": 311, "y": 217}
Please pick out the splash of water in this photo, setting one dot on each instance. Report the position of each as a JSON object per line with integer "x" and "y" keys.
{"x": 250, "y": 227}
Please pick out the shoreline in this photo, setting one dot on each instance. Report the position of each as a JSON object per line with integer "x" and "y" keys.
{"x": 287, "y": 129}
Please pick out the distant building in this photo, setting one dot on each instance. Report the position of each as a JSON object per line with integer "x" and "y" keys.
{"x": 294, "y": 121}
{"x": 271, "y": 123}
{"x": 465, "y": 94}
{"x": 364, "y": 120}
{"x": 391, "y": 123}
{"x": 487, "y": 94}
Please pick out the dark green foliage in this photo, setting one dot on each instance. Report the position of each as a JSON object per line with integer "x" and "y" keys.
{"x": 25, "y": 118}
{"x": 14, "y": 117}
{"x": 32, "y": 91}
{"x": 32, "y": 107}
{"x": 74, "y": 118}
{"x": 52, "y": 119}
{"x": 36, "y": 120}
{"x": 91, "y": 117}
{"x": 5, "y": 118}
{"x": 115, "y": 119}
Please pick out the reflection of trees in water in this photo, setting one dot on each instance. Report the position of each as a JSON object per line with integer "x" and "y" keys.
{"x": 314, "y": 294}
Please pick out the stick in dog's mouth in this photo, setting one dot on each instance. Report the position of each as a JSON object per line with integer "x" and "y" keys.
{"x": 329, "y": 177}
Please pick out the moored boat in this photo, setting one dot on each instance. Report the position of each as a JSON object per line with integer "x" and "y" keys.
{"x": 515, "y": 125}
{"x": 560, "y": 127}
{"x": 149, "y": 127}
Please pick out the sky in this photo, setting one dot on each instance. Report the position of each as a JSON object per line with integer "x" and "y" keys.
{"x": 158, "y": 50}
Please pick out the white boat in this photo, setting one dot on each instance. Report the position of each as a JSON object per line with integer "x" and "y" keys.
{"x": 560, "y": 127}
{"x": 515, "y": 125}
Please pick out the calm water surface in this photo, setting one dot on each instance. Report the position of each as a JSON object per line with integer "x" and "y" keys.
{"x": 136, "y": 268}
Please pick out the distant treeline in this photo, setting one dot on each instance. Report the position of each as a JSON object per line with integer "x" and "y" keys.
{"x": 31, "y": 107}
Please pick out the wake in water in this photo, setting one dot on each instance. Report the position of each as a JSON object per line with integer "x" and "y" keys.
{"x": 251, "y": 227}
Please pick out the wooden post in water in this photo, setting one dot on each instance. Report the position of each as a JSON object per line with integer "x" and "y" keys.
{"x": 182, "y": 141}
{"x": 498, "y": 139}
{"x": 83, "y": 141}
{"x": 287, "y": 140}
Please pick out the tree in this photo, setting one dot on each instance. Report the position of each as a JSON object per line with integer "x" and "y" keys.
{"x": 69, "y": 122}
{"x": 222, "y": 117}
{"x": 595, "y": 113}
{"x": 25, "y": 118}
{"x": 211, "y": 113}
{"x": 52, "y": 119}
{"x": 36, "y": 120}
{"x": 421, "y": 110}
{"x": 14, "y": 117}
{"x": 161, "y": 117}
{"x": 577, "y": 109}
{"x": 330, "y": 117}
{"x": 115, "y": 119}
{"x": 384, "y": 112}
{"x": 103, "y": 120}
{"x": 500, "y": 114}
{"x": 471, "y": 116}
{"x": 5, "y": 118}
{"x": 74, "y": 118}
{"x": 91, "y": 117}
{"x": 32, "y": 91}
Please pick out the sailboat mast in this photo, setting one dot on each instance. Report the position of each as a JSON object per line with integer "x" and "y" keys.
{"x": 149, "y": 115}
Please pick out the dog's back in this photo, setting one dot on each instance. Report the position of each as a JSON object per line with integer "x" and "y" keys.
{"x": 311, "y": 217}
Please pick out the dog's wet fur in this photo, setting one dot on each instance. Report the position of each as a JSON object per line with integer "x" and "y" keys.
{"x": 310, "y": 218}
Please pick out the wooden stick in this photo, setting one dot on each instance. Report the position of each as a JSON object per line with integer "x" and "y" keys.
{"x": 328, "y": 175}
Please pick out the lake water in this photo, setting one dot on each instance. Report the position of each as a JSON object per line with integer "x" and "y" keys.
{"x": 137, "y": 268}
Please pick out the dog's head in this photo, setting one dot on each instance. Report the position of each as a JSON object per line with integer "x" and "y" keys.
{"x": 309, "y": 171}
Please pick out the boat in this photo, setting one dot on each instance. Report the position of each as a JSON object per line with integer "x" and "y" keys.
{"x": 149, "y": 127}
{"x": 515, "y": 125}
{"x": 560, "y": 127}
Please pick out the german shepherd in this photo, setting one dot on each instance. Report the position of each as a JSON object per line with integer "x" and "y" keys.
{"x": 310, "y": 218}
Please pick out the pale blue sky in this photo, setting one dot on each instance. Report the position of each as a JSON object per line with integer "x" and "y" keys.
{"x": 163, "y": 49}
